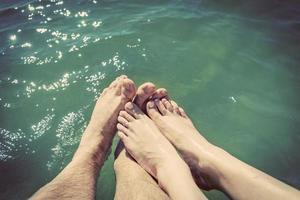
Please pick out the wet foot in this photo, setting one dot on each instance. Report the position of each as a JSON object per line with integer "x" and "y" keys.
{"x": 176, "y": 126}
{"x": 97, "y": 137}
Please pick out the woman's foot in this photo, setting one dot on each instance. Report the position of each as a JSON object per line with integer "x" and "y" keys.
{"x": 145, "y": 143}
{"x": 132, "y": 181}
{"x": 143, "y": 140}
{"x": 97, "y": 137}
{"x": 180, "y": 131}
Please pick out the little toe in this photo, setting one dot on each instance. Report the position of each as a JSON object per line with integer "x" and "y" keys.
{"x": 134, "y": 110}
{"x": 175, "y": 107}
{"x": 182, "y": 113}
{"x": 122, "y": 136}
{"x": 161, "y": 107}
{"x": 167, "y": 104}
{"x": 152, "y": 110}
{"x": 127, "y": 116}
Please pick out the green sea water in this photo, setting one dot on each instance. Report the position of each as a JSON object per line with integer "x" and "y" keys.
{"x": 233, "y": 66}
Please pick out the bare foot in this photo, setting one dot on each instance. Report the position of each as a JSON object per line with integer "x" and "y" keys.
{"x": 145, "y": 143}
{"x": 132, "y": 181}
{"x": 143, "y": 140}
{"x": 78, "y": 179}
{"x": 144, "y": 93}
{"x": 180, "y": 131}
{"x": 97, "y": 137}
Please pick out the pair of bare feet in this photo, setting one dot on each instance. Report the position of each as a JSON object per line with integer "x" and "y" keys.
{"x": 147, "y": 123}
{"x": 148, "y": 137}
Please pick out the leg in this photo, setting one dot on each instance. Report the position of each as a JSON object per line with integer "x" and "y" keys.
{"x": 133, "y": 182}
{"x": 78, "y": 179}
{"x": 155, "y": 154}
{"x": 213, "y": 167}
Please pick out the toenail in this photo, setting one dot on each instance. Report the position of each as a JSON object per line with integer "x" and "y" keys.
{"x": 122, "y": 112}
{"x": 129, "y": 105}
{"x": 151, "y": 104}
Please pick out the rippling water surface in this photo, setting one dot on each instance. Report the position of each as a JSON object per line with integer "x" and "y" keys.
{"x": 234, "y": 66}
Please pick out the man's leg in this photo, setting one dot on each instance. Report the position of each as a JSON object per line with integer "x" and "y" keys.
{"x": 133, "y": 182}
{"x": 78, "y": 179}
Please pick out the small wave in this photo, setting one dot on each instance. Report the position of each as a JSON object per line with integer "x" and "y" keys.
{"x": 68, "y": 134}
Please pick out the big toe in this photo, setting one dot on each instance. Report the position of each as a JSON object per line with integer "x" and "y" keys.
{"x": 127, "y": 88}
{"x": 152, "y": 110}
{"x": 143, "y": 93}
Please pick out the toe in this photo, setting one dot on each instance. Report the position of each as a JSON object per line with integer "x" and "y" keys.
{"x": 127, "y": 116}
{"x": 121, "y": 77}
{"x": 123, "y": 121}
{"x": 160, "y": 93}
{"x": 152, "y": 110}
{"x": 122, "y": 135}
{"x": 123, "y": 129}
{"x": 143, "y": 93}
{"x": 167, "y": 104}
{"x": 161, "y": 107}
{"x": 182, "y": 113}
{"x": 175, "y": 107}
{"x": 134, "y": 110}
{"x": 128, "y": 88}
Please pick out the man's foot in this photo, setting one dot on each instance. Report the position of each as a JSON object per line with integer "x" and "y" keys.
{"x": 78, "y": 179}
{"x": 97, "y": 137}
{"x": 180, "y": 131}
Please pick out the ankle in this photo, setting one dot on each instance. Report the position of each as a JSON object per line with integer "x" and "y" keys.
{"x": 171, "y": 169}
{"x": 214, "y": 163}
{"x": 92, "y": 151}
{"x": 177, "y": 181}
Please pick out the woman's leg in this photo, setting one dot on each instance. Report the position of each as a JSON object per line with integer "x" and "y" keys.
{"x": 213, "y": 167}
{"x": 132, "y": 181}
{"x": 155, "y": 154}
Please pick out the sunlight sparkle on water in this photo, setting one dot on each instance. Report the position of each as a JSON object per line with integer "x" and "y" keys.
{"x": 13, "y": 37}
{"x": 27, "y": 44}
